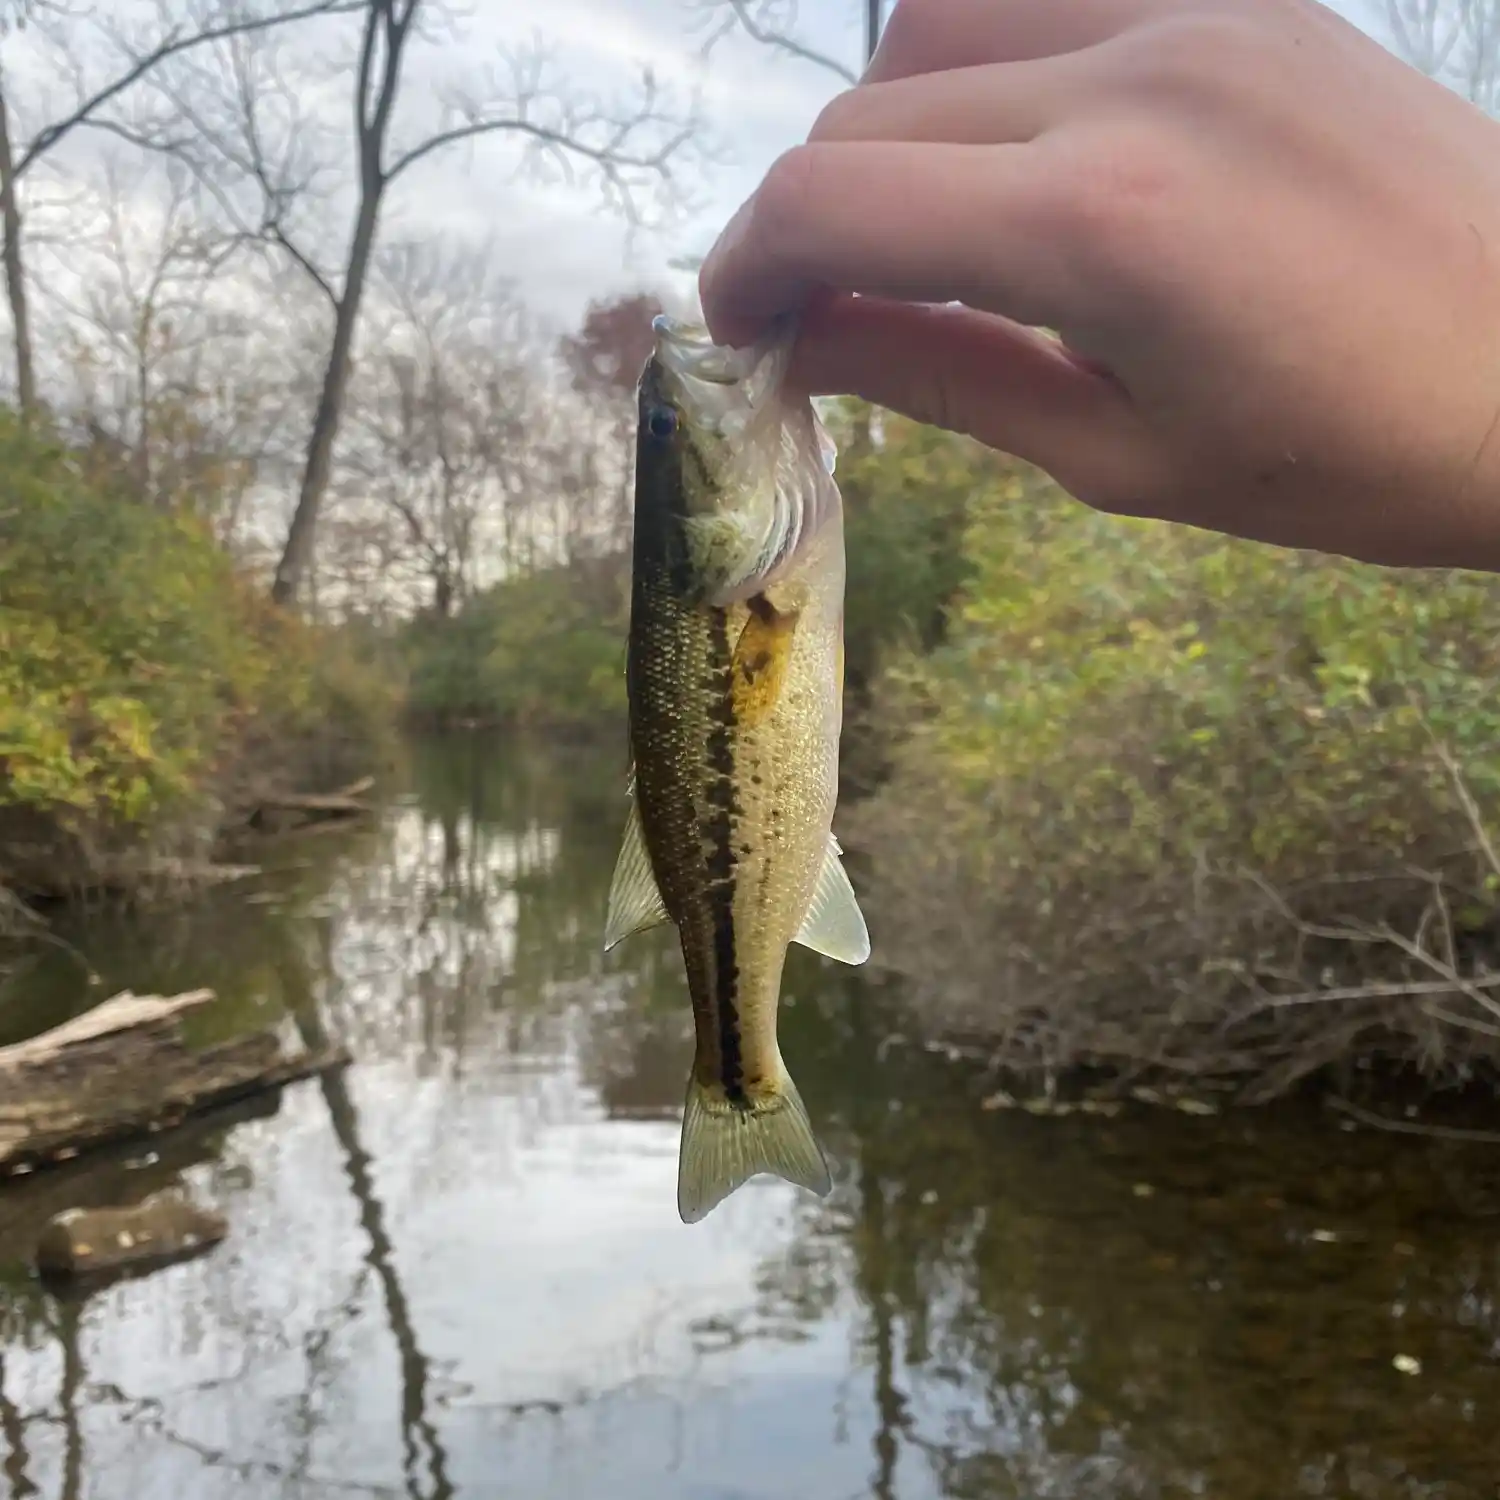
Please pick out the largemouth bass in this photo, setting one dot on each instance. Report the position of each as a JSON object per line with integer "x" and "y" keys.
{"x": 735, "y": 681}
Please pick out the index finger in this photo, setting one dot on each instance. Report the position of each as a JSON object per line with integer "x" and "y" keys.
{"x": 942, "y": 223}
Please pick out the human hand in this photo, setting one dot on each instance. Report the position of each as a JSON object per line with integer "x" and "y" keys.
{"x": 1270, "y": 249}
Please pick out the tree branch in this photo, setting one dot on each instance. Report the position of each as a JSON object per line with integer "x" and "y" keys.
{"x": 768, "y": 36}
{"x": 603, "y": 156}
{"x": 277, "y": 235}
{"x": 170, "y": 46}
{"x": 278, "y": 187}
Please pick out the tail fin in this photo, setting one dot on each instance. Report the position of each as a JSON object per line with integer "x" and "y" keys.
{"x": 724, "y": 1146}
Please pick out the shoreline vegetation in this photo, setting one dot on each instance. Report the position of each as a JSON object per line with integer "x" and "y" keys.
{"x": 1184, "y": 808}
{"x": 152, "y": 701}
{"x": 1124, "y": 801}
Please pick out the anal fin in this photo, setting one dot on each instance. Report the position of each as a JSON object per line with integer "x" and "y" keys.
{"x": 834, "y": 925}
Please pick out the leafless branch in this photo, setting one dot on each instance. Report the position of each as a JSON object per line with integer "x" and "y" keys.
{"x": 758, "y": 23}
{"x": 176, "y": 42}
{"x": 277, "y": 235}
{"x": 1412, "y": 1127}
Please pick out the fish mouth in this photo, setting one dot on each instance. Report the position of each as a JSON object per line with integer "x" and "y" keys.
{"x": 724, "y": 387}
{"x": 687, "y": 350}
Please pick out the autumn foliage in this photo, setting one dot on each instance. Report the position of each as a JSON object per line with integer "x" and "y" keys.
{"x": 140, "y": 674}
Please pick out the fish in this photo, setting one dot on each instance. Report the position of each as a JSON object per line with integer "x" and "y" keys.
{"x": 735, "y": 686}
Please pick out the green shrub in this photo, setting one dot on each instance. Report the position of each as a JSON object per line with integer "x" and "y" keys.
{"x": 1160, "y": 792}
{"x": 137, "y": 668}
{"x": 539, "y": 650}
{"x": 906, "y": 507}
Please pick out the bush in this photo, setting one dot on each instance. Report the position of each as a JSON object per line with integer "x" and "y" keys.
{"x": 137, "y": 669}
{"x": 906, "y": 505}
{"x": 542, "y": 650}
{"x": 1165, "y": 800}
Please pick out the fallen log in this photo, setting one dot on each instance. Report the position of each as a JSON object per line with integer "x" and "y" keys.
{"x": 278, "y": 811}
{"x": 122, "y": 1070}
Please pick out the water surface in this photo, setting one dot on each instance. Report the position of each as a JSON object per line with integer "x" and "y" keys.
{"x": 456, "y": 1269}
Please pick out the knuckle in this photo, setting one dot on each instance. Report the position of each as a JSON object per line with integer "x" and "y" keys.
{"x": 841, "y": 118}
{"x": 1200, "y": 50}
{"x": 789, "y": 192}
{"x": 1114, "y": 193}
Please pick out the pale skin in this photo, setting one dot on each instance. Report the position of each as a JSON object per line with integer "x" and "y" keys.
{"x": 1271, "y": 251}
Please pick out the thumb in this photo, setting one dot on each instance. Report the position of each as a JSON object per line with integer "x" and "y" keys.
{"x": 982, "y": 375}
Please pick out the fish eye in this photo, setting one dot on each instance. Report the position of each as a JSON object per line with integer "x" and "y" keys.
{"x": 662, "y": 422}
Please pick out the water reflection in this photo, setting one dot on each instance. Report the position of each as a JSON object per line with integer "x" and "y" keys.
{"x": 457, "y": 1269}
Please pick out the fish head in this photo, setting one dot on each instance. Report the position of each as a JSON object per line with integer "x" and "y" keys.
{"x": 744, "y": 466}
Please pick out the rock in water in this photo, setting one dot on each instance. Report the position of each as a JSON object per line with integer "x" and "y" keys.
{"x": 167, "y": 1226}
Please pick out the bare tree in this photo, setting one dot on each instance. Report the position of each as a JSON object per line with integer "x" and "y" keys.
{"x": 1456, "y": 42}
{"x": 140, "y": 324}
{"x": 173, "y": 378}
{"x": 773, "y": 23}
{"x": 440, "y": 419}
{"x": 254, "y": 150}
{"x": 80, "y": 42}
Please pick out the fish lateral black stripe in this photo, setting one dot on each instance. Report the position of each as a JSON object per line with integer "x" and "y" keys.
{"x": 721, "y": 863}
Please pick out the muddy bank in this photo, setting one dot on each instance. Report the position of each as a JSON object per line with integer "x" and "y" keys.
{"x": 44, "y": 863}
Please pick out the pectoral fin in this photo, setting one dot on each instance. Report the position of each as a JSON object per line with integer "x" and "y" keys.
{"x": 634, "y": 901}
{"x": 834, "y": 925}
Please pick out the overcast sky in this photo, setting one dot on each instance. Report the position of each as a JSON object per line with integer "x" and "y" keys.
{"x": 756, "y": 101}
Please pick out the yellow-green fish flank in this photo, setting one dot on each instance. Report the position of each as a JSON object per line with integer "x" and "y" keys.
{"x": 734, "y": 671}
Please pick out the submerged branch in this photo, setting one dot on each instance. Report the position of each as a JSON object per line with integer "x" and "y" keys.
{"x": 1412, "y": 1127}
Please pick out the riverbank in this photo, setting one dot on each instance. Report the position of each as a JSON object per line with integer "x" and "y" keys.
{"x": 1118, "y": 795}
{"x": 151, "y": 699}
{"x": 1177, "y": 806}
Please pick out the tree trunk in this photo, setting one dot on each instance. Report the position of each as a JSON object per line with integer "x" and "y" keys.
{"x": 297, "y": 554}
{"x": 15, "y": 279}
{"x": 872, "y": 28}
